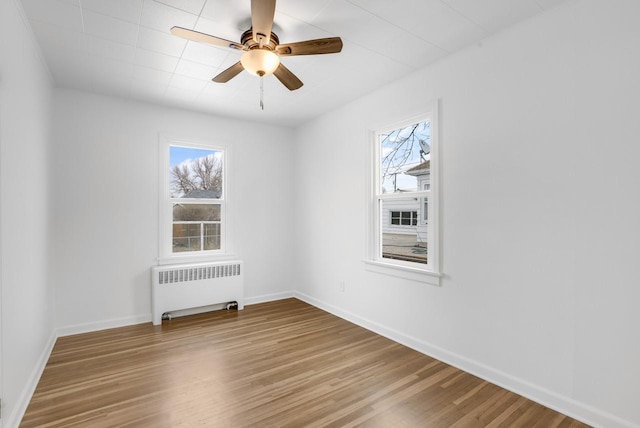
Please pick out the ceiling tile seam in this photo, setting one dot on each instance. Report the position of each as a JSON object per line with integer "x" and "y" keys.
{"x": 135, "y": 43}
{"x": 302, "y": 20}
{"x": 365, "y": 47}
{"x": 484, "y": 30}
{"x": 27, "y": 23}
{"x": 139, "y": 24}
{"x": 173, "y": 7}
{"x": 360, "y": 45}
{"x": 202, "y": 10}
{"x": 84, "y": 37}
{"x": 324, "y": 30}
{"x": 177, "y": 8}
{"x": 82, "y": 17}
{"x": 184, "y": 48}
{"x": 201, "y": 91}
{"x": 110, "y": 41}
{"x": 406, "y": 31}
{"x": 539, "y": 5}
{"x": 214, "y": 70}
{"x": 163, "y": 4}
{"x": 173, "y": 73}
{"x": 130, "y": 85}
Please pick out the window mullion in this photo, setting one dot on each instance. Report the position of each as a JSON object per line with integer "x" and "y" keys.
{"x": 404, "y": 195}
{"x": 201, "y": 236}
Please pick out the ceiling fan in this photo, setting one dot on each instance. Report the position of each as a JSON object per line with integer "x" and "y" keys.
{"x": 262, "y": 48}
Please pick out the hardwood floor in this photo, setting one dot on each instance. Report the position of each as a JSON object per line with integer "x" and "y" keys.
{"x": 284, "y": 364}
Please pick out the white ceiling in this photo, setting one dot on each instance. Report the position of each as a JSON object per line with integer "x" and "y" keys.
{"x": 124, "y": 48}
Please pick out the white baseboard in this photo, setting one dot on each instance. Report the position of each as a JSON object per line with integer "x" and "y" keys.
{"x": 139, "y": 319}
{"x": 102, "y": 325}
{"x": 566, "y": 405}
{"x": 14, "y": 419}
{"x": 269, "y": 298}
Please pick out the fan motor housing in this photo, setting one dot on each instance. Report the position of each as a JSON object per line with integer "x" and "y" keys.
{"x": 247, "y": 40}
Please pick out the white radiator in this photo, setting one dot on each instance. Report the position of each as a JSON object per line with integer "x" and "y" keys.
{"x": 179, "y": 287}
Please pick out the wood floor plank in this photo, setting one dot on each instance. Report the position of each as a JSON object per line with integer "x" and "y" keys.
{"x": 278, "y": 364}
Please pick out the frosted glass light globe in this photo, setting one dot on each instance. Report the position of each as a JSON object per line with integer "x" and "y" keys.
{"x": 260, "y": 62}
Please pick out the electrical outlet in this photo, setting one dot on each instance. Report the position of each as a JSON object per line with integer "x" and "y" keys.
{"x": 342, "y": 286}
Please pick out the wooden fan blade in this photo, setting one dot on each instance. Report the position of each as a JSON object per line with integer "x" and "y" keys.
{"x": 229, "y": 73}
{"x": 197, "y": 36}
{"x": 287, "y": 78}
{"x": 262, "y": 13}
{"x": 311, "y": 47}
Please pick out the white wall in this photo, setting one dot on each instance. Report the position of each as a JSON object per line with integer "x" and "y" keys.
{"x": 540, "y": 292}
{"x": 27, "y": 297}
{"x": 105, "y": 216}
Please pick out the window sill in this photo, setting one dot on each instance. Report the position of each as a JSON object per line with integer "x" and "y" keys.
{"x": 404, "y": 272}
{"x": 201, "y": 258}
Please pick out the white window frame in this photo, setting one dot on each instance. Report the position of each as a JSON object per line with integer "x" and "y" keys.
{"x": 431, "y": 271}
{"x": 165, "y": 209}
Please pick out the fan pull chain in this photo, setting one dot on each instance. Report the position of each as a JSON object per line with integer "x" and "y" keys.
{"x": 262, "y": 92}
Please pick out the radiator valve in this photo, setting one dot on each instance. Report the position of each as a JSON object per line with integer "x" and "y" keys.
{"x": 232, "y": 305}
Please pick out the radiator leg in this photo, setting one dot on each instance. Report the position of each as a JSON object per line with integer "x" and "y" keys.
{"x": 156, "y": 319}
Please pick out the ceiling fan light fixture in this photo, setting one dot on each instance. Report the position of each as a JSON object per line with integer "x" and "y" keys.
{"x": 260, "y": 62}
{"x": 262, "y": 48}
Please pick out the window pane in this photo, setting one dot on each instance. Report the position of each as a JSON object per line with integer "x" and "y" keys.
{"x": 425, "y": 210}
{"x": 395, "y": 217}
{"x": 186, "y": 237}
{"x": 195, "y": 173}
{"x": 211, "y": 236}
{"x": 196, "y": 212}
{"x": 403, "y": 238}
{"x": 405, "y": 158}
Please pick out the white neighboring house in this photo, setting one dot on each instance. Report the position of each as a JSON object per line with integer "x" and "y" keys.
{"x": 409, "y": 216}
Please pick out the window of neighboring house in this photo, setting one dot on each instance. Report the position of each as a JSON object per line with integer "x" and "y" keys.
{"x": 425, "y": 210}
{"x": 426, "y": 185}
{"x": 404, "y": 218}
{"x": 193, "y": 183}
{"x": 404, "y": 202}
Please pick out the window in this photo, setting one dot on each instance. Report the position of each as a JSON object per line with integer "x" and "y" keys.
{"x": 196, "y": 227}
{"x": 193, "y": 195}
{"x": 426, "y": 185}
{"x": 404, "y": 218}
{"x": 403, "y": 212}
